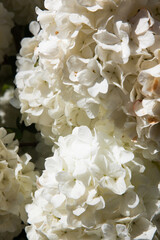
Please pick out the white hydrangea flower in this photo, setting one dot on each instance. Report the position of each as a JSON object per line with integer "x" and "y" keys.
{"x": 117, "y": 42}
{"x": 146, "y": 107}
{"x": 86, "y": 79}
{"x": 89, "y": 60}
{"x": 94, "y": 188}
{"x": 46, "y": 107}
{"x": 138, "y": 83}
{"x": 6, "y": 23}
{"x": 45, "y": 62}
{"x": 17, "y": 182}
{"x": 24, "y": 11}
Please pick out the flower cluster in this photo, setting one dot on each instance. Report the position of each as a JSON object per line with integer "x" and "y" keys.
{"x": 88, "y": 80}
{"x": 56, "y": 64}
{"x": 17, "y": 181}
{"x": 94, "y": 188}
{"x": 87, "y": 60}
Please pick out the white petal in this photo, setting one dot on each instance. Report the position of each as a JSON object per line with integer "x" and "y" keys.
{"x": 146, "y": 40}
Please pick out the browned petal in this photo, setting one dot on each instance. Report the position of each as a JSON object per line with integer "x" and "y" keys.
{"x": 134, "y": 139}
{"x": 152, "y": 120}
{"x": 155, "y": 84}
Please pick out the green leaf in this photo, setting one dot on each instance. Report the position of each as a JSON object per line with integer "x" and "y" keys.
{"x": 5, "y": 87}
